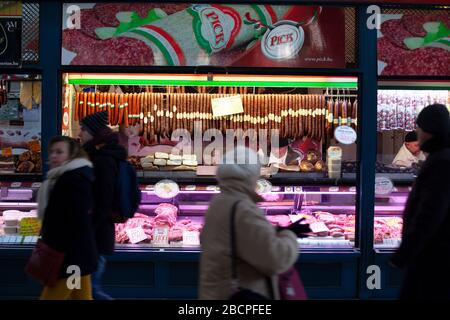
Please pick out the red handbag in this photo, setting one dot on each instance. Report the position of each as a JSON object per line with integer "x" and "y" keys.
{"x": 291, "y": 286}
{"x": 44, "y": 264}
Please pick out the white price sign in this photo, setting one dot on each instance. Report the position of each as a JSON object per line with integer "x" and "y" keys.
{"x": 345, "y": 134}
{"x": 191, "y": 238}
{"x": 318, "y": 227}
{"x": 295, "y": 217}
{"x": 227, "y": 106}
{"x": 160, "y": 236}
{"x": 136, "y": 235}
{"x": 383, "y": 186}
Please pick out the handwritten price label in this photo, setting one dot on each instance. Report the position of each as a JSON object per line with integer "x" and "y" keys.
{"x": 191, "y": 238}
{"x": 136, "y": 235}
{"x": 160, "y": 236}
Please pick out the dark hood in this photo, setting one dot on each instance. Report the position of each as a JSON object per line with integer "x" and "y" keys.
{"x": 106, "y": 143}
{"x": 435, "y": 144}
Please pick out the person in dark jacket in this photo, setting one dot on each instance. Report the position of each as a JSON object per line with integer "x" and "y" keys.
{"x": 65, "y": 203}
{"x": 101, "y": 144}
{"x": 424, "y": 254}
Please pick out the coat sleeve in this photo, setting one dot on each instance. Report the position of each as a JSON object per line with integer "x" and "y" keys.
{"x": 430, "y": 212}
{"x": 105, "y": 178}
{"x": 260, "y": 245}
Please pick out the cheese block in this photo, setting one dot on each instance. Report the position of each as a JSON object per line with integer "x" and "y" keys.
{"x": 161, "y": 155}
{"x": 192, "y": 163}
{"x": 174, "y": 162}
{"x": 160, "y": 162}
{"x": 147, "y": 160}
{"x": 149, "y": 166}
{"x": 191, "y": 157}
{"x": 175, "y": 157}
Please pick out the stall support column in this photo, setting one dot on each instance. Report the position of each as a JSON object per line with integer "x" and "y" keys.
{"x": 50, "y": 61}
{"x": 367, "y": 131}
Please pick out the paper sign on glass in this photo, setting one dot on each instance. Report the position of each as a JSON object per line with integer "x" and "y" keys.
{"x": 191, "y": 238}
{"x": 227, "y": 106}
{"x": 160, "y": 236}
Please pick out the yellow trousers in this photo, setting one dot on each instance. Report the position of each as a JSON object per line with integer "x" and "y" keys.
{"x": 60, "y": 291}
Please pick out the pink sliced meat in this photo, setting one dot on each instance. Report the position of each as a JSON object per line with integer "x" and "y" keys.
{"x": 387, "y": 51}
{"x": 394, "y": 31}
{"x": 117, "y": 51}
{"x": 424, "y": 61}
{"x": 184, "y": 221}
{"x": 142, "y": 9}
{"x": 194, "y": 227}
{"x": 175, "y": 234}
{"x": 89, "y": 23}
{"x": 414, "y": 22}
{"x": 166, "y": 214}
{"x": 106, "y": 12}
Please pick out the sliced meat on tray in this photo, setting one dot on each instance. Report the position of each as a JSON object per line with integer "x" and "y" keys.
{"x": 395, "y": 32}
{"x": 414, "y": 22}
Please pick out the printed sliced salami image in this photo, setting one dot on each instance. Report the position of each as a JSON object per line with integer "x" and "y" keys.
{"x": 142, "y": 9}
{"x": 424, "y": 61}
{"x": 116, "y": 51}
{"x": 388, "y": 52}
{"x": 90, "y": 22}
{"x": 413, "y": 23}
{"x": 106, "y": 12}
{"x": 395, "y": 32}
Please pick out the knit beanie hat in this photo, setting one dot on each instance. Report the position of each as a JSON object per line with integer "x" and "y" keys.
{"x": 240, "y": 163}
{"x": 434, "y": 119}
{"x": 95, "y": 122}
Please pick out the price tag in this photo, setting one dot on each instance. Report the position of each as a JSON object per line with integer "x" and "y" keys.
{"x": 383, "y": 186}
{"x": 191, "y": 238}
{"x": 345, "y": 134}
{"x": 318, "y": 227}
{"x": 298, "y": 189}
{"x": 295, "y": 217}
{"x": 7, "y": 152}
{"x": 136, "y": 235}
{"x": 352, "y": 189}
{"x": 36, "y": 185}
{"x": 333, "y": 189}
{"x": 34, "y": 146}
{"x": 16, "y": 185}
{"x": 29, "y": 227}
{"x": 227, "y": 106}
{"x": 160, "y": 236}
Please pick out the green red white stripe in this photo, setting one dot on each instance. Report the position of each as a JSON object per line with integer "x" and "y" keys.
{"x": 169, "y": 48}
{"x": 266, "y": 14}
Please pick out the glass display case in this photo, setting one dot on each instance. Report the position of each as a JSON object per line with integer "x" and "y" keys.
{"x": 398, "y": 161}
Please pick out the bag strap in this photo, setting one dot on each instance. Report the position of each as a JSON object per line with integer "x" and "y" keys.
{"x": 234, "y": 276}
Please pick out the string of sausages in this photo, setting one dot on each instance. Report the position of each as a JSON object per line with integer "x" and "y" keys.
{"x": 159, "y": 114}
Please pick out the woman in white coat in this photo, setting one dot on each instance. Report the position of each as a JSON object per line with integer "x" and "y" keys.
{"x": 262, "y": 251}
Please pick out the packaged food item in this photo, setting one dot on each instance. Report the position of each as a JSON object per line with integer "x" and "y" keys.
{"x": 161, "y": 155}
{"x": 175, "y": 157}
{"x": 160, "y": 162}
{"x": 174, "y": 162}
{"x": 191, "y": 157}
{"x": 190, "y": 163}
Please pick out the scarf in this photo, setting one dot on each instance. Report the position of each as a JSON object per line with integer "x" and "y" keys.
{"x": 52, "y": 177}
